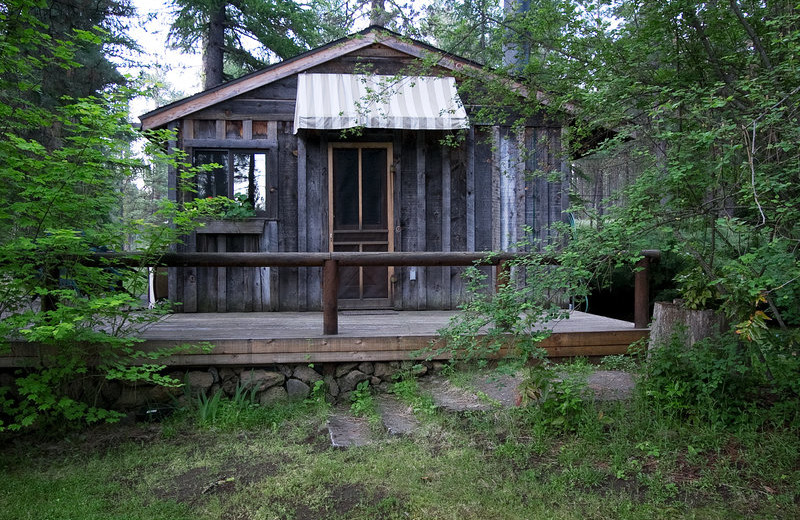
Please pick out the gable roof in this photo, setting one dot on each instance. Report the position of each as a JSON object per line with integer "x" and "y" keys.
{"x": 369, "y": 36}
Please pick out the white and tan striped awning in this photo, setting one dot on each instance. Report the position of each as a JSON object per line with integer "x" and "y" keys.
{"x": 337, "y": 101}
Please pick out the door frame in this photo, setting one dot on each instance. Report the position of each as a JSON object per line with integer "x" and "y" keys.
{"x": 369, "y": 302}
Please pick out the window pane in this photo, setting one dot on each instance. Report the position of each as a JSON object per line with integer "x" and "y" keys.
{"x": 250, "y": 177}
{"x": 345, "y": 188}
{"x": 212, "y": 183}
{"x": 373, "y": 186}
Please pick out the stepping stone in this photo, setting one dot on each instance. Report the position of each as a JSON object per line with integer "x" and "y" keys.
{"x": 346, "y": 430}
{"x": 453, "y": 398}
{"x": 398, "y": 418}
{"x": 501, "y": 388}
{"x": 611, "y": 385}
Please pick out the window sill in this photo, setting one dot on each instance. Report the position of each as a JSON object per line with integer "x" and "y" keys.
{"x": 246, "y": 226}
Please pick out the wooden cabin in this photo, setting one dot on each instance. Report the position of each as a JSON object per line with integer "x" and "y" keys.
{"x": 359, "y": 145}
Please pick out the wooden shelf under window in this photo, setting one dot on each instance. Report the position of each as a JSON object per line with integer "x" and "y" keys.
{"x": 248, "y": 226}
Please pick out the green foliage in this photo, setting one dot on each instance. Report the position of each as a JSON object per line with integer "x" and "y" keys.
{"x": 558, "y": 395}
{"x": 61, "y": 167}
{"x": 362, "y": 404}
{"x": 697, "y": 103}
{"x": 407, "y": 390}
{"x": 240, "y": 411}
{"x": 516, "y": 316}
{"x": 719, "y": 380}
{"x": 237, "y": 208}
{"x": 466, "y": 29}
{"x": 283, "y": 29}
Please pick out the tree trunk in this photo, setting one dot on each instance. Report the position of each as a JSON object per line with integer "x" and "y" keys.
{"x": 213, "y": 49}
{"x": 377, "y": 14}
{"x": 669, "y": 318}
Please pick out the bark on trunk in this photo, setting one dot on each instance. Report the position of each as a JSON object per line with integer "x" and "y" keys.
{"x": 213, "y": 49}
{"x": 668, "y": 318}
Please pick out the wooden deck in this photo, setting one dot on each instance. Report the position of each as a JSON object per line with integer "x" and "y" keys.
{"x": 244, "y": 339}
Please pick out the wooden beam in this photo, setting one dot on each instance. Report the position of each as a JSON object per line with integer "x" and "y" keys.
{"x": 311, "y": 259}
{"x": 330, "y": 295}
{"x": 231, "y": 143}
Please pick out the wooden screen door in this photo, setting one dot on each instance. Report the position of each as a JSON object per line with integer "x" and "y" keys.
{"x": 360, "y": 201}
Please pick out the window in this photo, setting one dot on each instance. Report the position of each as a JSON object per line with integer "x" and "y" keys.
{"x": 239, "y": 173}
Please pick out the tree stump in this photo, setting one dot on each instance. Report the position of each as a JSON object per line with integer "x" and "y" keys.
{"x": 669, "y": 318}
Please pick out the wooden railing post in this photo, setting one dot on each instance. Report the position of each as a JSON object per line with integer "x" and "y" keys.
{"x": 330, "y": 296}
{"x": 641, "y": 304}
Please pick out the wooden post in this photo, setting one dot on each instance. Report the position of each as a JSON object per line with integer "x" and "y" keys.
{"x": 641, "y": 303}
{"x": 330, "y": 294}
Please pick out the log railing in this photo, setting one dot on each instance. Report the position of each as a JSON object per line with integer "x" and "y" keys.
{"x": 330, "y": 263}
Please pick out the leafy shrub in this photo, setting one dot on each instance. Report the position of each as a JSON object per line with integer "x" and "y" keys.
{"x": 558, "y": 395}
{"x": 718, "y": 379}
{"x": 516, "y": 314}
{"x": 362, "y": 403}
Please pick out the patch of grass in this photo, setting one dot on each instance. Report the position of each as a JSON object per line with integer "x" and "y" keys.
{"x": 499, "y": 464}
{"x": 407, "y": 390}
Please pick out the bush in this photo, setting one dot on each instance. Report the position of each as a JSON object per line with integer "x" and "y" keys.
{"x": 720, "y": 380}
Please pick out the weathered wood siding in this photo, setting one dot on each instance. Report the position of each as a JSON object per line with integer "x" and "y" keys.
{"x": 479, "y": 195}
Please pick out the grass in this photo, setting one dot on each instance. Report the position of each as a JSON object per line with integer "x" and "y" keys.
{"x": 498, "y": 464}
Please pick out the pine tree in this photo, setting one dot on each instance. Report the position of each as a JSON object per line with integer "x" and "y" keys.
{"x": 243, "y": 35}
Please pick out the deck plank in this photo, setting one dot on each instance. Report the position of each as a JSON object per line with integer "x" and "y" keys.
{"x": 264, "y": 338}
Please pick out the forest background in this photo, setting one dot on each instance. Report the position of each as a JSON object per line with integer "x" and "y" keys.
{"x": 699, "y": 99}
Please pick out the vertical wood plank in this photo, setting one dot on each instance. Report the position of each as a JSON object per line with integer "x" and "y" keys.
{"x": 458, "y": 226}
{"x": 470, "y": 188}
{"x": 302, "y": 222}
{"x": 330, "y": 294}
{"x": 287, "y": 208}
{"x": 248, "y": 275}
{"x": 483, "y": 173}
{"x": 190, "y": 279}
{"x": 221, "y": 276}
{"x": 187, "y": 128}
{"x": 273, "y": 183}
{"x": 421, "y": 245}
{"x": 273, "y": 285}
{"x": 317, "y": 215}
{"x": 530, "y": 169}
{"x": 433, "y": 220}
{"x": 235, "y": 276}
{"x": 446, "y": 222}
{"x": 395, "y": 219}
{"x": 541, "y": 190}
{"x": 519, "y": 187}
{"x": 496, "y": 172}
{"x": 247, "y": 129}
{"x": 408, "y": 215}
{"x": 173, "y": 273}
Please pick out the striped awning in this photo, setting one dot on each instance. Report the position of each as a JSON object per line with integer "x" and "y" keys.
{"x": 337, "y": 101}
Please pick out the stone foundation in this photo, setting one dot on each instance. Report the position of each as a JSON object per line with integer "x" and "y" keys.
{"x": 272, "y": 384}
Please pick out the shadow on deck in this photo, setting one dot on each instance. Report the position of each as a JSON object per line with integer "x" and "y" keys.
{"x": 244, "y": 339}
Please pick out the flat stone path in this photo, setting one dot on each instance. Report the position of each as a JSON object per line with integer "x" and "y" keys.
{"x": 347, "y": 430}
{"x": 398, "y": 418}
{"x": 482, "y": 392}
